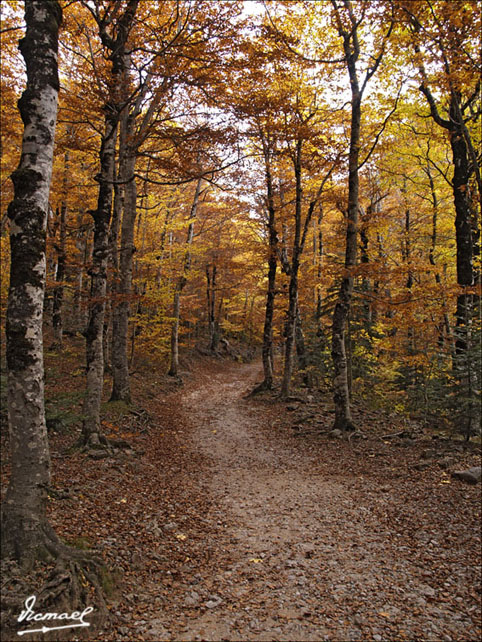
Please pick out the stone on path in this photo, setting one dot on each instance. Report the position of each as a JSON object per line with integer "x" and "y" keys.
{"x": 471, "y": 475}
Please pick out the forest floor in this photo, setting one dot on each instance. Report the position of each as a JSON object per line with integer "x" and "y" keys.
{"x": 235, "y": 518}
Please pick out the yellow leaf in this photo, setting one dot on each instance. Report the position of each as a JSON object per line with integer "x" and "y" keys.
{"x": 181, "y": 536}
{"x": 123, "y": 501}
{"x": 256, "y": 560}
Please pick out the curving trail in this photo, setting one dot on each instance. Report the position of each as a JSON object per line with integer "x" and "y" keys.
{"x": 288, "y": 542}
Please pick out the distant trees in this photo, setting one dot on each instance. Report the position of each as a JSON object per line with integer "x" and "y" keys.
{"x": 324, "y": 223}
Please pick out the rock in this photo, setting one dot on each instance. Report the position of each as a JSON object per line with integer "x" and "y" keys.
{"x": 158, "y": 630}
{"x": 335, "y": 434}
{"x": 192, "y": 599}
{"x": 428, "y": 591}
{"x": 213, "y": 602}
{"x": 471, "y": 475}
{"x": 307, "y": 549}
{"x": 446, "y": 462}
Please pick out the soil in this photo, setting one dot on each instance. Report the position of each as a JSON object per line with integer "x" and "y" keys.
{"x": 235, "y": 518}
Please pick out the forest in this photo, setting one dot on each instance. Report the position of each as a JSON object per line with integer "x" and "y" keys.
{"x": 240, "y": 319}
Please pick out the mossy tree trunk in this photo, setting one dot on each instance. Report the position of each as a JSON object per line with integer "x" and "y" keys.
{"x": 26, "y": 534}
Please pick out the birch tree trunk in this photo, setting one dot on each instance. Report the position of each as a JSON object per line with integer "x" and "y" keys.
{"x": 25, "y": 531}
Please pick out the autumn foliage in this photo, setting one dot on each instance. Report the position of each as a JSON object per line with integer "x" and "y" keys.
{"x": 253, "y": 101}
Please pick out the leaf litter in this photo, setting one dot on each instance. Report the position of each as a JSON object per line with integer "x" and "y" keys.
{"x": 224, "y": 523}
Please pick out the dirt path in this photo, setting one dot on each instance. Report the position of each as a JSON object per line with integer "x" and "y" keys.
{"x": 287, "y": 543}
{"x": 226, "y": 523}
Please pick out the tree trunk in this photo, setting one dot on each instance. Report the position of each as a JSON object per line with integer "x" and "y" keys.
{"x": 293, "y": 272}
{"x": 319, "y": 266}
{"x": 113, "y": 252}
{"x": 301, "y": 350}
{"x": 211, "y": 301}
{"x": 341, "y": 393}
{"x": 463, "y": 226}
{"x": 174, "y": 367}
{"x": 25, "y": 530}
{"x": 91, "y": 431}
{"x": 78, "y": 319}
{"x": 290, "y": 334}
{"x": 176, "y": 311}
{"x": 431, "y": 256}
{"x": 57, "y": 321}
{"x": 120, "y": 359}
{"x": 267, "y": 349}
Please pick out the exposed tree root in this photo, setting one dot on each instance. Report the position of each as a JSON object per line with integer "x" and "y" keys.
{"x": 345, "y": 426}
{"x": 76, "y": 580}
{"x": 261, "y": 387}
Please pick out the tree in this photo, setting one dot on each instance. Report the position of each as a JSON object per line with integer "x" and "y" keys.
{"x": 182, "y": 280}
{"x": 114, "y": 40}
{"x": 26, "y": 533}
{"x": 348, "y": 26}
{"x": 453, "y": 37}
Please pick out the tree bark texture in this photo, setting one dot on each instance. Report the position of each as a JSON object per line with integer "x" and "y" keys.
{"x": 91, "y": 432}
{"x": 24, "y": 522}
{"x": 57, "y": 320}
{"x": 301, "y": 350}
{"x": 341, "y": 393}
{"x": 267, "y": 349}
{"x": 94, "y": 334}
{"x": 293, "y": 273}
{"x": 120, "y": 324}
